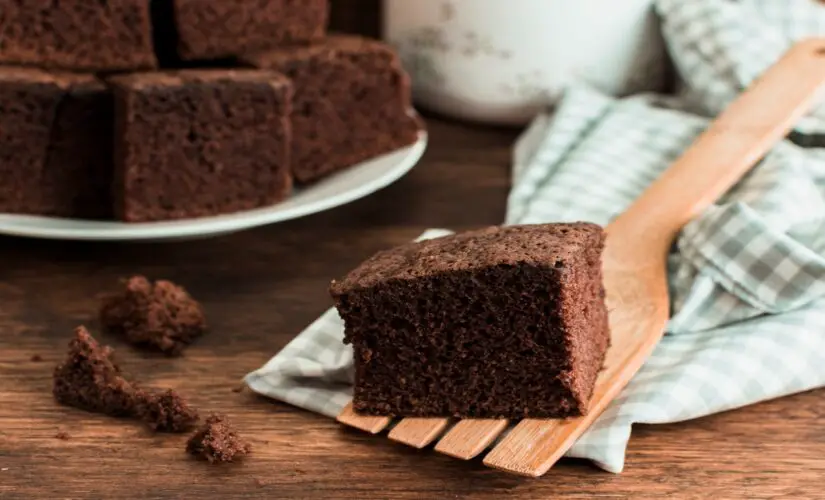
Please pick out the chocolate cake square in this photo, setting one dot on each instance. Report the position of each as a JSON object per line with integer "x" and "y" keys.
{"x": 212, "y": 29}
{"x": 196, "y": 143}
{"x": 352, "y": 102}
{"x": 80, "y": 35}
{"x": 55, "y": 146}
{"x": 503, "y": 322}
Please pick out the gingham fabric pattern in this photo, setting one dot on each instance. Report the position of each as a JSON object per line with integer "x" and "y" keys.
{"x": 747, "y": 277}
{"x": 720, "y": 46}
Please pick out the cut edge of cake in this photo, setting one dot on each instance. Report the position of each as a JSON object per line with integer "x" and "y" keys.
{"x": 583, "y": 333}
{"x": 128, "y": 88}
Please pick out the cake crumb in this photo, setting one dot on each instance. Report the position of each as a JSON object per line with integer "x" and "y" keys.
{"x": 259, "y": 483}
{"x": 89, "y": 378}
{"x": 166, "y": 411}
{"x": 36, "y": 358}
{"x": 238, "y": 388}
{"x": 63, "y": 435}
{"x": 159, "y": 315}
{"x": 217, "y": 442}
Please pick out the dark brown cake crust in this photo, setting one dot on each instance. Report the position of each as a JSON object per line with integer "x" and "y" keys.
{"x": 211, "y": 29}
{"x": 166, "y": 411}
{"x": 90, "y": 380}
{"x": 196, "y": 143}
{"x": 78, "y": 35}
{"x": 55, "y": 151}
{"x": 217, "y": 442}
{"x": 159, "y": 315}
{"x": 499, "y": 323}
{"x": 352, "y": 102}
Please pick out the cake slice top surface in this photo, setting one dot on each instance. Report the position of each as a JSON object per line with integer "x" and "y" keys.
{"x": 547, "y": 245}
{"x": 331, "y": 47}
{"x": 18, "y": 74}
{"x": 163, "y": 79}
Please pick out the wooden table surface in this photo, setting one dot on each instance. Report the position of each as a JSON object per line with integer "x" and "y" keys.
{"x": 259, "y": 289}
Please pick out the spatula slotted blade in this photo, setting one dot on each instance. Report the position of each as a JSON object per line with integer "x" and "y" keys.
{"x": 634, "y": 264}
{"x": 366, "y": 423}
{"x": 468, "y": 438}
{"x": 418, "y": 432}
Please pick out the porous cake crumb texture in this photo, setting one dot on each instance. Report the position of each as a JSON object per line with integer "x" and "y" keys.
{"x": 217, "y": 442}
{"x": 90, "y": 380}
{"x": 166, "y": 411}
{"x": 352, "y": 103}
{"x": 77, "y": 35}
{"x": 196, "y": 143}
{"x": 499, "y": 323}
{"x": 212, "y": 29}
{"x": 158, "y": 315}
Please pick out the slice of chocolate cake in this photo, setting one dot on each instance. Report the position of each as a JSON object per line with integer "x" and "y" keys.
{"x": 195, "y": 143}
{"x": 213, "y": 29}
{"x": 499, "y": 323}
{"x": 352, "y": 102}
{"x": 90, "y": 380}
{"x": 55, "y": 146}
{"x": 78, "y": 35}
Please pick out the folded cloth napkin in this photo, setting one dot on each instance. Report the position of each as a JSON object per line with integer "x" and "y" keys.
{"x": 747, "y": 277}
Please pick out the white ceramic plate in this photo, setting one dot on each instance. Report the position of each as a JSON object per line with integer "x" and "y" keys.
{"x": 343, "y": 187}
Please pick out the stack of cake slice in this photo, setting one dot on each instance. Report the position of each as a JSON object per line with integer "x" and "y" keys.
{"x": 170, "y": 109}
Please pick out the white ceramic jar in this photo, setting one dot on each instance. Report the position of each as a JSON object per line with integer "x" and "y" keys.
{"x": 501, "y": 61}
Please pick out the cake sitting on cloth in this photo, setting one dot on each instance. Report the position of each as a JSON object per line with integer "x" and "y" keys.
{"x": 747, "y": 277}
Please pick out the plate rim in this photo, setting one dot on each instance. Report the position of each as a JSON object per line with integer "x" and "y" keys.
{"x": 215, "y": 225}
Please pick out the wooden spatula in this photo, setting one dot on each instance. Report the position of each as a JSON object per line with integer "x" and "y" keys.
{"x": 638, "y": 242}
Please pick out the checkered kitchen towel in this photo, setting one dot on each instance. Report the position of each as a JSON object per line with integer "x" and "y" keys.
{"x": 748, "y": 276}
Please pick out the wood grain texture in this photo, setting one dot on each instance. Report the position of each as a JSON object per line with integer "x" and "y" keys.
{"x": 467, "y": 438}
{"x": 373, "y": 425}
{"x": 260, "y": 288}
{"x": 418, "y": 432}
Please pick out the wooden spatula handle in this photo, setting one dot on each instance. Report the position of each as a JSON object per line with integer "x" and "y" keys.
{"x": 638, "y": 241}
{"x": 739, "y": 137}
